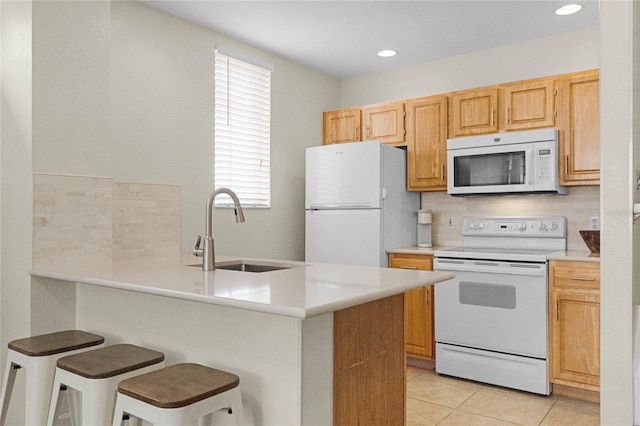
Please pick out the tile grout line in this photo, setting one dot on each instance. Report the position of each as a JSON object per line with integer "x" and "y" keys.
{"x": 549, "y": 411}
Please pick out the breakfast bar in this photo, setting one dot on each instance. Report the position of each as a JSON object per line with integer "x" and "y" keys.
{"x": 312, "y": 343}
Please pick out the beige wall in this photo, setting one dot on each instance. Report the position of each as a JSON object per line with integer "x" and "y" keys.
{"x": 537, "y": 58}
{"x": 126, "y": 91}
{"x": 15, "y": 177}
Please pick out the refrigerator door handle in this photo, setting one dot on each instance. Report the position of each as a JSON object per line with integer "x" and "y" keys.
{"x": 340, "y": 206}
{"x": 384, "y": 193}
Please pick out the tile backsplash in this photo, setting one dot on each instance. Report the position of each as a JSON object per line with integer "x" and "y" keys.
{"x": 581, "y": 203}
{"x": 80, "y": 218}
{"x": 146, "y": 220}
{"x": 71, "y": 219}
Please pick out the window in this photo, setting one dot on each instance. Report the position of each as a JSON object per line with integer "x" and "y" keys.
{"x": 242, "y": 131}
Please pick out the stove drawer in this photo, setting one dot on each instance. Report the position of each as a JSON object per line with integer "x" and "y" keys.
{"x": 510, "y": 371}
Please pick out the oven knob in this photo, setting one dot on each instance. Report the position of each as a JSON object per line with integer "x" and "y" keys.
{"x": 554, "y": 226}
{"x": 472, "y": 225}
{"x": 522, "y": 227}
{"x": 543, "y": 226}
{"x": 481, "y": 225}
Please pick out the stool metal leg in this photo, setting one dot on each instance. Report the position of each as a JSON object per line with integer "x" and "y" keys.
{"x": 7, "y": 388}
{"x": 39, "y": 376}
{"x": 237, "y": 408}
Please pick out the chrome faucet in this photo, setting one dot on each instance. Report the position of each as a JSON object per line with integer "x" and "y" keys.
{"x": 207, "y": 251}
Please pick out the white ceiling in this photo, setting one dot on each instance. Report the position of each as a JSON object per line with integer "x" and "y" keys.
{"x": 341, "y": 37}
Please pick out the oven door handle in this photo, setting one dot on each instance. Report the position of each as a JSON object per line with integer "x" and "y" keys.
{"x": 488, "y": 266}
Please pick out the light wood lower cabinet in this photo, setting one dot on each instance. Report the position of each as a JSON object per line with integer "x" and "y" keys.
{"x": 574, "y": 322}
{"x": 418, "y": 308}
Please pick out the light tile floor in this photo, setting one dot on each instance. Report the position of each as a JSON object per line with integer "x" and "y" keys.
{"x": 440, "y": 400}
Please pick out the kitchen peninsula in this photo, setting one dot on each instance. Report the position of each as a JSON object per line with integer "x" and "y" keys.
{"x": 312, "y": 343}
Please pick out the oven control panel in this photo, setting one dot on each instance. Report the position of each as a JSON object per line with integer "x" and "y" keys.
{"x": 516, "y": 226}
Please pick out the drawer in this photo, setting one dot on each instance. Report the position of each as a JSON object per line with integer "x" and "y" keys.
{"x": 411, "y": 261}
{"x": 579, "y": 275}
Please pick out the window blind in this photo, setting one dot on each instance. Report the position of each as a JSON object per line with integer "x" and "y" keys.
{"x": 242, "y": 131}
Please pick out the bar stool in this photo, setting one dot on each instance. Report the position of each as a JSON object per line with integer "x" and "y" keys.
{"x": 179, "y": 395}
{"x": 96, "y": 374}
{"x": 38, "y": 356}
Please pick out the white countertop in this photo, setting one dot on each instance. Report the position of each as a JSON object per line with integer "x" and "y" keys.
{"x": 303, "y": 291}
{"x": 418, "y": 250}
{"x": 574, "y": 255}
{"x": 577, "y": 255}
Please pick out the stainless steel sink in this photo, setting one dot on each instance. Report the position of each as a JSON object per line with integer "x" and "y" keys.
{"x": 251, "y": 267}
{"x": 246, "y": 266}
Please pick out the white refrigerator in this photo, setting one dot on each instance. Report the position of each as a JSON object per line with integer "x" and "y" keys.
{"x": 357, "y": 206}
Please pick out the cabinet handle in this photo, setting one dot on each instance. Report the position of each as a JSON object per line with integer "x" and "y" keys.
{"x": 582, "y": 279}
{"x": 442, "y": 175}
{"x": 566, "y": 164}
{"x": 408, "y": 267}
{"x": 508, "y": 114}
{"x": 492, "y": 113}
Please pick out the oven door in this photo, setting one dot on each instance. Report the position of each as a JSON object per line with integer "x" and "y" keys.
{"x": 493, "y": 305}
{"x": 495, "y": 169}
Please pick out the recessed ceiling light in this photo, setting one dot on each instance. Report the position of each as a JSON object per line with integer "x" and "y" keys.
{"x": 387, "y": 53}
{"x": 568, "y": 9}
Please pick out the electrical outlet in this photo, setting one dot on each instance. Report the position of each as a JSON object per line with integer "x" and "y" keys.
{"x": 594, "y": 222}
{"x": 451, "y": 224}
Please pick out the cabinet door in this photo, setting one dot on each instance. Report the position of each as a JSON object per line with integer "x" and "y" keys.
{"x": 427, "y": 144}
{"x": 418, "y": 308}
{"x": 473, "y": 112}
{"x": 385, "y": 122}
{"x": 529, "y": 105}
{"x": 575, "y": 339}
{"x": 579, "y": 126}
{"x": 341, "y": 126}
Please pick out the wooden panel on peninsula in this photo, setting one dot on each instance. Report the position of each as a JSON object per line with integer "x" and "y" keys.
{"x": 369, "y": 363}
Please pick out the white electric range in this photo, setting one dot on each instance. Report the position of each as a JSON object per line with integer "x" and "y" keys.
{"x": 491, "y": 320}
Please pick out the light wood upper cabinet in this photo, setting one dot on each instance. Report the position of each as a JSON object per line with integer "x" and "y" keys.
{"x": 384, "y": 122}
{"x": 427, "y": 143}
{"x": 568, "y": 102}
{"x": 579, "y": 126}
{"x": 474, "y": 112}
{"x": 418, "y": 307}
{"x": 574, "y": 322}
{"x": 341, "y": 126}
{"x": 527, "y": 105}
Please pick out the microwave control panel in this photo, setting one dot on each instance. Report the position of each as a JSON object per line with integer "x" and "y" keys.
{"x": 545, "y": 161}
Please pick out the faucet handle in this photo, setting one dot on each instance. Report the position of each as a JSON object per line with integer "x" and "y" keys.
{"x": 197, "y": 251}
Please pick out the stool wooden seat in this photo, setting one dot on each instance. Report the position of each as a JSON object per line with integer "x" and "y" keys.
{"x": 178, "y": 395}
{"x": 96, "y": 374}
{"x": 55, "y": 343}
{"x": 38, "y": 356}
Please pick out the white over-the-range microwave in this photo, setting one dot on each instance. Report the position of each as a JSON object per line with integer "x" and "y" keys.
{"x": 524, "y": 162}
